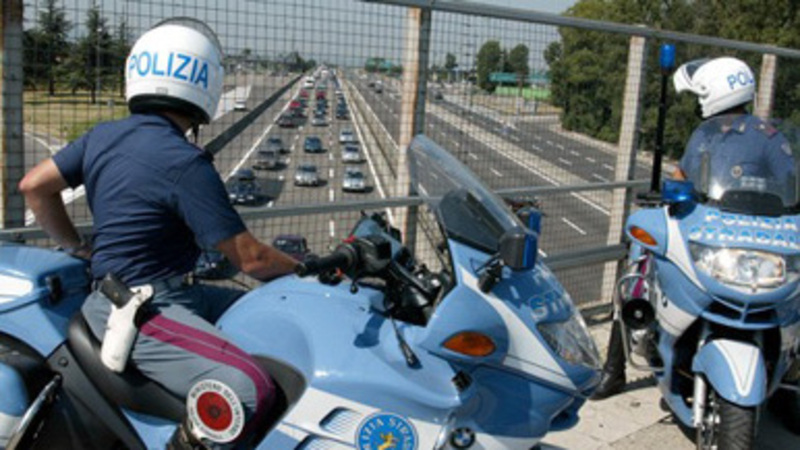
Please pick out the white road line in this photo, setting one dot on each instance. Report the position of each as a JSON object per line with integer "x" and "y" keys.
{"x": 575, "y": 227}
{"x": 333, "y": 228}
{"x": 560, "y": 146}
{"x": 516, "y": 138}
{"x": 473, "y": 156}
{"x": 496, "y": 172}
{"x": 567, "y": 162}
{"x": 330, "y": 172}
{"x": 591, "y": 160}
{"x": 535, "y": 147}
{"x": 538, "y": 138}
{"x": 609, "y": 167}
{"x": 330, "y": 156}
{"x": 541, "y": 252}
{"x": 458, "y": 144}
{"x": 603, "y": 179}
{"x": 331, "y": 195}
{"x": 574, "y": 153}
{"x": 271, "y": 204}
{"x": 281, "y": 178}
{"x": 549, "y": 142}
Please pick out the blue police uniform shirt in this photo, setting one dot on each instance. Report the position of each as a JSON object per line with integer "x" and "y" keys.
{"x": 738, "y": 145}
{"x": 154, "y": 197}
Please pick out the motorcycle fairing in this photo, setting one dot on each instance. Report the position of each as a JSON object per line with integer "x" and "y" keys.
{"x": 60, "y": 285}
{"x": 735, "y": 369}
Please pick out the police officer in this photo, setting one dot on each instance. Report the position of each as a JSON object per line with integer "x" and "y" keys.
{"x": 154, "y": 196}
{"x": 737, "y": 145}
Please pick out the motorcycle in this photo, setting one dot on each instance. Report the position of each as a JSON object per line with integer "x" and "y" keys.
{"x": 486, "y": 352}
{"x": 710, "y": 298}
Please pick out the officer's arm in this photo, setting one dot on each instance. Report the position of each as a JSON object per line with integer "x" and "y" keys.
{"x": 256, "y": 259}
{"x": 42, "y": 188}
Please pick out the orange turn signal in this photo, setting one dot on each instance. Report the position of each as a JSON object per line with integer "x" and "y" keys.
{"x": 642, "y": 236}
{"x": 471, "y": 343}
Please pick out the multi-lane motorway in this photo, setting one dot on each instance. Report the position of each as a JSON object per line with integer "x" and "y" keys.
{"x": 526, "y": 154}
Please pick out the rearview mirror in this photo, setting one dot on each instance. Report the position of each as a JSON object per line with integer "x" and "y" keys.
{"x": 518, "y": 248}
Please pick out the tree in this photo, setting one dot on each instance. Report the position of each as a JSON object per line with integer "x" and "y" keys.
{"x": 374, "y": 64}
{"x": 90, "y": 63}
{"x": 488, "y": 60}
{"x": 450, "y": 65}
{"x": 518, "y": 62}
{"x": 47, "y": 45}
{"x": 120, "y": 49}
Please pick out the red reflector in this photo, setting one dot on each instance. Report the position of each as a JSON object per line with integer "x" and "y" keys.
{"x": 214, "y": 411}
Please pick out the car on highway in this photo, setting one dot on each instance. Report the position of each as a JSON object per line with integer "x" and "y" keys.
{"x": 342, "y": 114}
{"x": 352, "y": 154}
{"x": 437, "y": 95}
{"x": 320, "y": 95}
{"x": 306, "y": 175}
{"x": 287, "y": 120}
{"x": 319, "y": 120}
{"x": 240, "y": 105}
{"x": 275, "y": 143}
{"x": 313, "y": 144}
{"x": 266, "y": 160}
{"x": 378, "y": 87}
{"x": 354, "y": 181}
{"x": 243, "y": 188}
{"x": 346, "y": 136}
{"x": 292, "y": 244}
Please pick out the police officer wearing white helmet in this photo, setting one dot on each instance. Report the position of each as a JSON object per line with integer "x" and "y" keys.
{"x": 155, "y": 199}
{"x": 737, "y": 144}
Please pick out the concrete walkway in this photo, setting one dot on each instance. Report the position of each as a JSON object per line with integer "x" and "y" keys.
{"x": 633, "y": 420}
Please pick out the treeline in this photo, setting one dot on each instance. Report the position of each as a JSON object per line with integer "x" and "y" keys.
{"x": 95, "y": 61}
{"x": 588, "y": 69}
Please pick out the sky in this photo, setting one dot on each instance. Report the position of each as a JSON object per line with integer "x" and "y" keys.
{"x": 339, "y": 31}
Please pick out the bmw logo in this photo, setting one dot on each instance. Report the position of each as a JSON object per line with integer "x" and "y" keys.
{"x": 462, "y": 438}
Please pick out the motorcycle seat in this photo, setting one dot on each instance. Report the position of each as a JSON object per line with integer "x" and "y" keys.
{"x": 129, "y": 389}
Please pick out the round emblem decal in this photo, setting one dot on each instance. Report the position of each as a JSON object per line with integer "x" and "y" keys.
{"x": 385, "y": 431}
{"x": 214, "y": 411}
{"x": 736, "y": 171}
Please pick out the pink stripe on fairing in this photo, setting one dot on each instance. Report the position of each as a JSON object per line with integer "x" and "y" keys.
{"x": 638, "y": 288}
{"x": 212, "y": 347}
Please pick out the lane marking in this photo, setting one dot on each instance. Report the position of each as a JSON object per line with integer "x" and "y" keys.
{"x": 575, "y": 227}
{"x": 609, "y": 167}
{"x": 591, "y": 160}
{"x": 496, "y": 172}
{"x": 473, "y": 156}
{"x": 603, "y": 179}
{"x": 333, "y": 228}
{"x": 574, "y": 153}
{"x": 567, "y": 162}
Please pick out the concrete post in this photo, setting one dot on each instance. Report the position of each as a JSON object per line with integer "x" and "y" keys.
{"x": 765, "y": 97}
{"x": 412, "y": 113}
{"x": 626, "y": 156}
{"x": 12, "y": 168}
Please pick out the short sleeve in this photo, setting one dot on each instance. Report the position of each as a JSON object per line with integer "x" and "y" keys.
{"x": 202, "y": 202}
{"x": 688, "y": 160}
{"x": 69, "y": 161}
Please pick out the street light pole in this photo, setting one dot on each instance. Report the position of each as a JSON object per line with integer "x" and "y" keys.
{"x": 97, "y": 63}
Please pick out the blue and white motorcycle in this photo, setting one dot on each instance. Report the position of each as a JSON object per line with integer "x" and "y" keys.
{"x": 486, "y": 352}
{"x": 711, "y": 299}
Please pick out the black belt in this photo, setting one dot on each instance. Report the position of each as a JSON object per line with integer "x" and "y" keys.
{"x": 164, "y": 284}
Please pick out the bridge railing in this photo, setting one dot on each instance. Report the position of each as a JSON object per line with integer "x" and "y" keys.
{"x": 536, "y": 104}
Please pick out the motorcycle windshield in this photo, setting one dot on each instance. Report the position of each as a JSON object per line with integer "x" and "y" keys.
{"x": 467, "y": 210}
{"x": 745, "y": 165}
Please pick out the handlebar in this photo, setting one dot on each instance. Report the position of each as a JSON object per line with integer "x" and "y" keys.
{"x": 342, "y": 258}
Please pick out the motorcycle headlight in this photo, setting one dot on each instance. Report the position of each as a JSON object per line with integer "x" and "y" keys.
{"x": 571, "y": 341}
{"x": 12, "y": 287}
{"x": 744, "y": 269}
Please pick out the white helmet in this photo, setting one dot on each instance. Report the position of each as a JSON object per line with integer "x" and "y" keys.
{"x": 720, "y": 83}
{"x": 176, "y": 65}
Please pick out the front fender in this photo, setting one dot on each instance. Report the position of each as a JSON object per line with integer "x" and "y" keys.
{"x": 735, "y": 370}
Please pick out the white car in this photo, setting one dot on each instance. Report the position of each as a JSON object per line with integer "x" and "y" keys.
{"x": 354, "y": 181}
{"x": 306, "y": 175}
{"x": 266, "y": 159}
{"x": 347, "y": 136}
{"x": 240, "y": 105}
{"x": 351, "y": 154}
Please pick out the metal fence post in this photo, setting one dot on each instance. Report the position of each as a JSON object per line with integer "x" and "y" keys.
{"x": 412, "y": 115}
{"x": 626, "y": 156}
{"x": 765, "y": 96}
{"x": 12, "y": 205}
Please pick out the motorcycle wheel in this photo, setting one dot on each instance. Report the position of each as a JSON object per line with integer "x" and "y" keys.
{"x": 726, "y": 426}
{"x": 786, "y": 406}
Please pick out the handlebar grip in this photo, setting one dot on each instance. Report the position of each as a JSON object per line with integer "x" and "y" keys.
{"x": 341, "y": 258}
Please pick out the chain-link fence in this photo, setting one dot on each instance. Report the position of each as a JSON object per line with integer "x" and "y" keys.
{"x": 321, "y": 97}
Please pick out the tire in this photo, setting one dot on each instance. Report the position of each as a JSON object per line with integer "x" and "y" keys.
{"x": 726, "y": 426}
{"x": 785, "y": 405}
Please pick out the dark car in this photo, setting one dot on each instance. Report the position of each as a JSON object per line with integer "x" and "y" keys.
{"x": 292, "y": 244}
{"x": 276, "y": 144}
{"x": 287, "y": 120}
{"x": 313, "y": 144}
{"x": 243, "y": 188}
